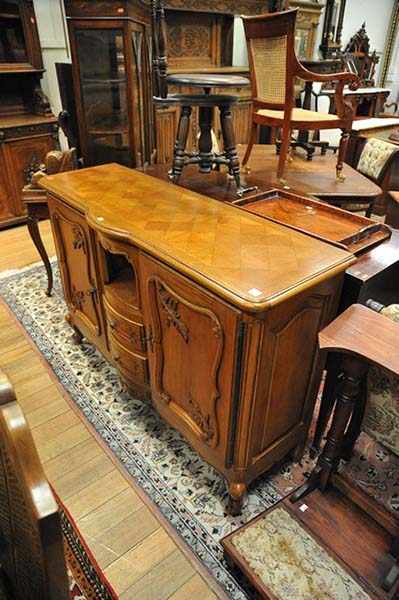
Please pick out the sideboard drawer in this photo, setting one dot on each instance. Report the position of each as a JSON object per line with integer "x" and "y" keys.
{"x": 129, "y": 333}
{"x": 131, "y": 365}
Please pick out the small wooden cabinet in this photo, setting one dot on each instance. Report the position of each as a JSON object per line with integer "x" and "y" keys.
{"x": 28, "y": 129}
{"x": 205, "y": 320}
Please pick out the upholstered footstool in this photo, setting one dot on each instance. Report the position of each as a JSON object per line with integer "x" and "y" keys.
{"x": 283, "y": 561}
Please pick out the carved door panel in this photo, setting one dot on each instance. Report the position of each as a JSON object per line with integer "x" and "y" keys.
{"x": 23, "y": 157}
{"x": 286, "y": 389}
{"x": 191, "y": 350}
{"x": 74, "y": 251}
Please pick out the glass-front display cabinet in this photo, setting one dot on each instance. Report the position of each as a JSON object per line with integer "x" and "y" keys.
{"x": 110, "y": 46}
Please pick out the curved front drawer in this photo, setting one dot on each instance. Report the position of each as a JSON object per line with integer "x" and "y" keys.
{"x": 132, "y": 365}
{"x": 129, "y": 333}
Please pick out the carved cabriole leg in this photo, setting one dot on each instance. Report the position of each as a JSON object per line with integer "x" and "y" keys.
{"x": 237, "y": 493}
{"x": 33, "y": 228}
{"x": 353, "y": 372}
{"x": 77, "y": 336}
{"x": 251, "y": 142}
{"x": 341, "y": 154}
{"x": 180, "y": 144}
{"x": 284, "y": 147}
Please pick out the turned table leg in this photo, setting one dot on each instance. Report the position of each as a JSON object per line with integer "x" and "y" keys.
{"x": 33, "y": 228}
{"x": 353, "y": 372}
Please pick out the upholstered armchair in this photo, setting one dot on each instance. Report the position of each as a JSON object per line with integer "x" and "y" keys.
{"x": 274, "y": 68}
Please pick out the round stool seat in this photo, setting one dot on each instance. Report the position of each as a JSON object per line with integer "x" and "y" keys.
{"x": 198, "y": 99}
{"x": 210, "y": 80}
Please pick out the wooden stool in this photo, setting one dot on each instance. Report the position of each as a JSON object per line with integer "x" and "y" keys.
{"x": 364, "y": 338}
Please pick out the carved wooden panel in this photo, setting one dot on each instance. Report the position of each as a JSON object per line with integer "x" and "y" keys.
{"x": 288, "y": 354}
{"x": 191, "y": 348}
{"x": 166, "y": 120}
{"x": 74, "y": 249}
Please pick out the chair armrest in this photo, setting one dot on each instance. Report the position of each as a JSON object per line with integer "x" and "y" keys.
{"x": 350, "y": 78}
{"x": 345, "y": 109}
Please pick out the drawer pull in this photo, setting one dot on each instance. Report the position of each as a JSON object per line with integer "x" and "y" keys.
{"x": 116, "y": 357}
{"x": 112, "y": 323}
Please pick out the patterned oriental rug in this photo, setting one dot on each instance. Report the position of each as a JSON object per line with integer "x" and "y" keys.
{"x": 188, "y": 492}
{"x": 86, "y": 580}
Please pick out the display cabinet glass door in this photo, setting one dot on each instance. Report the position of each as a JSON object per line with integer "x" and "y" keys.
{"x": 103, "y": 80}
{"x": 12, "y": 38}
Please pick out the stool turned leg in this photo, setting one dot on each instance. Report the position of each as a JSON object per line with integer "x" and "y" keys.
{"x": 353, "y": 371}
{"x": 230, "y": 150}
{"x": 180, "y": 144}
{"x": 205, "y": 140}
{"x": 33, "y": 228}
{"x": 341, "y": 154}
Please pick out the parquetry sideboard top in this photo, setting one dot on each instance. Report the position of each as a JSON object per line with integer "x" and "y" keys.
{"x": 251, "y": 262}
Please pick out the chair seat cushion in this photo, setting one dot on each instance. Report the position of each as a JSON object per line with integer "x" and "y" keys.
{"x": 374, "y": 157}
{"x": 298, "y": 114}
{"x": 381, "y": 419}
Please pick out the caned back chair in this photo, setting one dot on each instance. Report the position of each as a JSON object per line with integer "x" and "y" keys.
{"x": 32, "y": 559}
{"x": 274, "y": 68}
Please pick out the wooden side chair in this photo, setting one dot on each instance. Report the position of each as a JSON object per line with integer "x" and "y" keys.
{"x": 274, "y": 67}
{"x": 367, "y": 342}
{"x": 206, "y": 157}
{"x": 31, "y": 546}
{"x": 379, "y": 161}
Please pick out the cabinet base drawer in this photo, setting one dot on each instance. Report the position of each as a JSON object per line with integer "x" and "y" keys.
{"x": 133, "y": 366}
{"x": 129, "y": 333}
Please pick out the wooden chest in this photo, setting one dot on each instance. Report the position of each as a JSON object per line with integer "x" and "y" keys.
{"x": 213, "y": 310}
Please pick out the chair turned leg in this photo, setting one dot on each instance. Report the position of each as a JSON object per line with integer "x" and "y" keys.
{"x": 251, "y": 142}
{"x": 341, "y": 154}
{"x": 230, "y": 150}
{"x": 180, "y": 144}
{"x": 284, "y": 147}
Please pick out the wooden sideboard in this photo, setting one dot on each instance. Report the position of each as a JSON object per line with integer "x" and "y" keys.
{"x": 211, "y": 310}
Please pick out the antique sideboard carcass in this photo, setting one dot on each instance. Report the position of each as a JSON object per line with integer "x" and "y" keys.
{"x": 211, "y": 310}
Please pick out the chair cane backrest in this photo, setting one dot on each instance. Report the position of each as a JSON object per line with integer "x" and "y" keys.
{"x": 271, "y": 54}
{"x": 31, "y": 546}
{"x": 159, "y": 38}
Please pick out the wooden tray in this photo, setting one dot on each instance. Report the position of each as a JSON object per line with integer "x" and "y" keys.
{"x": 322, "y": 221}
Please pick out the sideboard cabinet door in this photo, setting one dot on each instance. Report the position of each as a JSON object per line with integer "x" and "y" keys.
{"x": 75, "y": 252}
{"x": 191, "y": 348}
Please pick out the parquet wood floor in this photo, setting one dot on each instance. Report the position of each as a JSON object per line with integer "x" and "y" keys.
{"x": 138, "y": 554}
